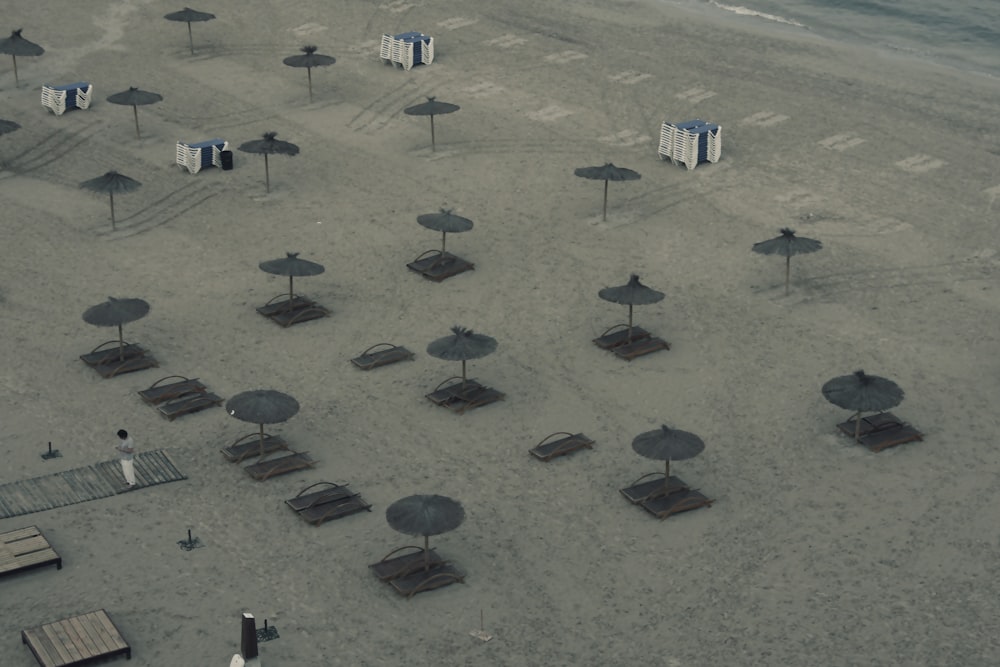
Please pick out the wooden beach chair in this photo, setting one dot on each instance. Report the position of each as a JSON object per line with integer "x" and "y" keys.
{"x": 422, "y": 580}
{"x": 76, "y": 640}
{"x": 248, "y": 447}
{"x": 103, "y": 354}
{"x": 650, "y": 486}
{"x": 26, "y": 548}
{"x": 460, "y": 397}
{"x": 117, "y": 367}
{"x": 374, "y": 357}
{"x": 287, "y": 312}
{"x": 548, "y": 449}
{"x": 409, "y": 559}
{"x": 881, "y": 431}
{"x": 665, "y": 506}
{"x": 618, "y": 335}
{"x": 328, "y": 502}
{"x": 436, "y": 265}
{"x": 640, "y": 348}
{"x": 161, "y": 390}
{"x": 265, "y": 469}
{"x": 188, "y": 404}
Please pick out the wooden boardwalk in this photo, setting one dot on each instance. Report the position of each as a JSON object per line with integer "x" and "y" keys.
{"x": 82, "y": 484}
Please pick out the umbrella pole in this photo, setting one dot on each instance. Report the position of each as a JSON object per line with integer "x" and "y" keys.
{"x": 629, "y": 323}
{"x": 788, "y": 269}
{"x": 666, "y": 480}
{"x": 190, "y": 38}
{"x": 291, "y": 294}
{"x": 857, "y": 426}
{"x": 262, "y": 440}
{"x": 135, "y": 113}
{"x": 433, "y": 147}
{"x": 111, "y": 195}
{"x": 310, "y": 77}
{"x": 427, "y": 553}
{"x": 442, "y": 242}
{"x": 17, "y": 82}
{"x": 463, "y": 373}
{"x": 604, "y": 216}
{"x": 121, "y": 344}
{"x": 267, "y": 175}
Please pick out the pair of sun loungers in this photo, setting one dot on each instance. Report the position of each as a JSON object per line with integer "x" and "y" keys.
{"x": 176, "y": 395}
{"x": 881, "y": 431}
{"x": 410, "y": 570}
{"x": 113, "y": 358}
{"x": 628, "y": 346}
{"x": 460, "y": 395}
{"x": 326, "y": 501}
{"x": 663, "y": 500}
{"x": 286, "y": 312}
{"x": 251, "y": 445}
{"x": 437, "y": 265}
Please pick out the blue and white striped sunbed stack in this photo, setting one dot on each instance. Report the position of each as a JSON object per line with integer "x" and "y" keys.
{"x": 195, "y": 157}
{"x": 407, "y": 49}
{"x": 690, "y": 142}
{"x": 70, "y": 96}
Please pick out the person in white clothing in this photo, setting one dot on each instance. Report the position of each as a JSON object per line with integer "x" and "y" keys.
{"x": 126, "y": 451}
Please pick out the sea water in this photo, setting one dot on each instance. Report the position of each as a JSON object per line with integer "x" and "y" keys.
{"x": 958, "y": 33}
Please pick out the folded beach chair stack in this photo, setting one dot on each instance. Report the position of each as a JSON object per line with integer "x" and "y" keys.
{"x": 197, "y": 156}
{"x": 407, "y": 49}
{"x": 59, "y": 99}
{"x": 690, "y": 142}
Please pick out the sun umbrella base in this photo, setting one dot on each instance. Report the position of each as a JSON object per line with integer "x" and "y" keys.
{"x": 619, "y": 335}
{"x": 881, "y": 431}
{"x": 651, "y": 486}
{"x": 286, "y": 312}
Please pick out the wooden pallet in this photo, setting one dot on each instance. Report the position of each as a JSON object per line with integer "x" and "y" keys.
{"x": 25, "y": 548}
{"x": 76, "y": 640}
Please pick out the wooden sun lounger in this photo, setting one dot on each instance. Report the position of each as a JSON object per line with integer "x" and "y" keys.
{"x": 330, "y": 492}
{"x": 372, "y": 358}
{"x": 117, "y": 367}
{"x": 98, "y": 356}
{"x": 663, "y": 507}
{"x": 422, "y": 580}
{"x": 189, "y": 404}
{"x": 25, "y": 548}
{"x": 158, "y": 393}
{"x": 618, "y": 335}
{"x": 249, "y": 446}
{"x": 435, "y": 265}
{"x": 282, "y": 465}
{"x": 286, "y": 313}
{"x": 547, "y": 450}
{"x": 640, "y": 348}
{"x": 885, "y": 438}
{"x": 76, "y": 640}
{"x": 392, "y": 566}
{"x": 336, "y": 509}
{"x": 881, "y": 431}
{"x": 459, "y": 398}
{"x": 652, "y": 487}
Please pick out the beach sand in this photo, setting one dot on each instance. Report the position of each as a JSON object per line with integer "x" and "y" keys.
{"x": 816, "y": 551}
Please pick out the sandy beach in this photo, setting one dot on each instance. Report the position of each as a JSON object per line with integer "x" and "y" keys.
{"x": 816, "y": 551}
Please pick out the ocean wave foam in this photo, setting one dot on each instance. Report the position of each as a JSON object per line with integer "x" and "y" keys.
{"x": 745, "y": 11}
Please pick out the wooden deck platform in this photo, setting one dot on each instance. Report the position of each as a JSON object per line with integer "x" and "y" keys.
{"x": 79, "y": 485}
{"x": 76, "y": 640}
{"x": 26, "y": 548}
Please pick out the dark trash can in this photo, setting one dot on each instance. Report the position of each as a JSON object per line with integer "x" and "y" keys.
{"x": 227, "y": 160}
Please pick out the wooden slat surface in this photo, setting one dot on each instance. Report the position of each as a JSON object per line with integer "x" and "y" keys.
{"x": 74, "y": 640}
{"x": 100, "y": 480}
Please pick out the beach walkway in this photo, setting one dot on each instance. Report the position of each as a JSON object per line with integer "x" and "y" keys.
{"x": 82, "y": 484}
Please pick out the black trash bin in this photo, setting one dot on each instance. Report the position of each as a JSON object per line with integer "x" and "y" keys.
{"x": 227, "y": 160}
